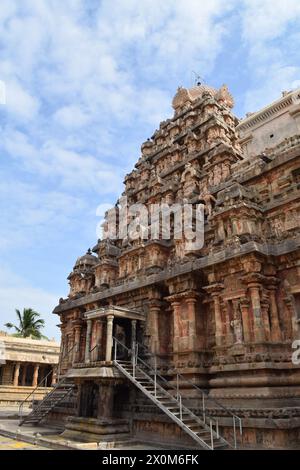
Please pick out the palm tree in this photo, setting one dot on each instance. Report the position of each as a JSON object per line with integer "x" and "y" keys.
{"x": 30, "y": 324}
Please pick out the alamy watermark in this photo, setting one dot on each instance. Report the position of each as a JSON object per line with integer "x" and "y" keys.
{"x": 296, "y": 354}
{"x": 154, "y": 222}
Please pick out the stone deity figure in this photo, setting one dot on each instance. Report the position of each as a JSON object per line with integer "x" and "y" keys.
{"x": 225, "y": 171}
{"x": 208, "y": 200}
{"x": 179, "y": 248}
{"x": 217, "y": 175}
{"x": 238, "y": 330}
{"x": 278, "y": 227}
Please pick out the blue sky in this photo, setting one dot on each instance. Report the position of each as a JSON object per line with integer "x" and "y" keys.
{"x": 87, "y": 81}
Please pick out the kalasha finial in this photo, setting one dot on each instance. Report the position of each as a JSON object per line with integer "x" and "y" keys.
{"x": 198, "y": 80}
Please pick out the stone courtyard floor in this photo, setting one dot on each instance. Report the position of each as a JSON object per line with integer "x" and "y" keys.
{"x": 14, "y": 437}
{"x": 12, "y": 444}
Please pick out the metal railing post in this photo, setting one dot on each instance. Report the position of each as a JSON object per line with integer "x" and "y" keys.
{"x": 203, "y": 407}
{"x": 211, "y": 435}
{"x": 217, "y": 429}
{"x": 116, "y": 345}
{"x": 177, "y": 385}
{"x": 180, "y": 407}
{"x": 133, "y": 362}
{"x": 155, "y": 378}
{"x": 234, "y": 432}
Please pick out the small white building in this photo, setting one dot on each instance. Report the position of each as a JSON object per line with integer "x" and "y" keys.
{"x": 26, "y": 364}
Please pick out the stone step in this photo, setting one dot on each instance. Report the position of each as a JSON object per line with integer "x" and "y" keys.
{"x": 220, "y": 445}
{"x": 203, "y": 435}
{"x": 172, "y": 406}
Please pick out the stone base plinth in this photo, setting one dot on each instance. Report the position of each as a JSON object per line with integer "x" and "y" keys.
{"x": 259, "y": 433}
{"x": 10, "y": 395}
{"x": 96, "y": 430}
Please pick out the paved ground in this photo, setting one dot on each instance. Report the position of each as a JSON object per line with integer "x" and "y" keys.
{"x": 11, "y": 411}
{"x": 11, "y": 444}
{"x": 27, "y": 437}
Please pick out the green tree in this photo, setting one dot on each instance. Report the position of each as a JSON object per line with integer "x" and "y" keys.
{"x": 30, "y": 324}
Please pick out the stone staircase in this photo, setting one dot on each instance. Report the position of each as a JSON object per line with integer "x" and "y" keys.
{"x": 206, "y": 435}
{"x": 60, "y": 392}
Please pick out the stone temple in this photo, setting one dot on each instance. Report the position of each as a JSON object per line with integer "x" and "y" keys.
{"x": 194, "y": 349}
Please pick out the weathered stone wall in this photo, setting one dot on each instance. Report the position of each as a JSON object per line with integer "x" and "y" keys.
{"x": 224, "y": 316}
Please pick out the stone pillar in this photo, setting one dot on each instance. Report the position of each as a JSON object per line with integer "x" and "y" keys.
{"x": 154, "y": 310}
{"x": 275, "y": 325}
{"x": 98, "y": 339}
{"x": 35, "y": 375}
{"x": 66, "y": 350}
{"x": 71, "y": 347}
{"x": 87, "y": 355}
{"x": 218, "y": 320}
{"x": 54, "y": 376}
{"x": 228, "y": 318}
{"x": 176, "y": 319}
{"x": 295, "y": 326}
{"x": 214, "y": 291}
{"x": 106, "y": 401}
{"x": 24, "y": 373}
{"x": 237, "y": 322}
{"x": 266, "y": 321}
{"x": 76, "y": 353}
{"x": 246, "y": 319}
{"x": 259, "y": 334}
{"x": 16, "y": 374}
{"x": 191, "y": 305}
{"x": 109, "y": 337}
{"x": 133, "y": 334}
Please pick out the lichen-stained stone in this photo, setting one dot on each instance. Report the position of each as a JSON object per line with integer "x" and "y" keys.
{"x": 226, "y": 315}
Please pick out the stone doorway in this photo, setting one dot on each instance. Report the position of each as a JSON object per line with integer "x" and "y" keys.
{"x": 89, "y": 397}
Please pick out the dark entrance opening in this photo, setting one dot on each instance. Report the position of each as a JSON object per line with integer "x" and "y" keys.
{"x": 89, "y": 400}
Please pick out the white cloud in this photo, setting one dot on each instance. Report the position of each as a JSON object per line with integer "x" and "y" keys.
{"x": 268, "y": 29}
{"x": 95, "y": 72}
{"x": 280, "y": 78}
{"x": 71, "y": 117}
{"x": 20, "y": 102}
{"x": 29, "y": 215}
{"x": 85, "y": 78}
{"x": 70, "y": 169}
{"x": 16, "y": 292}
{"x": 268, "y": 19}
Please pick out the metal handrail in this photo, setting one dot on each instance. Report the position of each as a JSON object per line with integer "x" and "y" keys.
{"x": 182, "y": 408}
{"x": 40, "y": 383}
{"x": 149, "y": 376}
{"x": 204, "y": 394}
{"x": 51, "y": 393}
{"x": 66, "y": 355}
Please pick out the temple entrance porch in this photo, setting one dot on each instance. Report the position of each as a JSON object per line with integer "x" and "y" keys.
{"x": 102, "y": 390}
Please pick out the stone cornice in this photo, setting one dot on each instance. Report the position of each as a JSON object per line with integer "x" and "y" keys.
{"x": 274, "y": 109}
{"x": 264, "y": 249}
